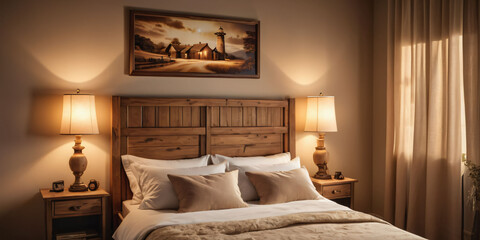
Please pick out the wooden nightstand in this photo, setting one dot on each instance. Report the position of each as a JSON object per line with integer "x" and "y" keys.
{"x": 339, "y": 191}
{"x": 81, "y": 213}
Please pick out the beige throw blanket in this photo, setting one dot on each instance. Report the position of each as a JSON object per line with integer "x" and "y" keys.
{"x": 323, "y": 225}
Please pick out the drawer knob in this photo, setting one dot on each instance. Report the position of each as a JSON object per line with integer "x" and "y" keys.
{"x": 75, "y": 208}
{"x": 336, "y": 191}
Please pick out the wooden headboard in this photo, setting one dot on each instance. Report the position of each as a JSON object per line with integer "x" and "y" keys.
{"x": 177, "y": 128}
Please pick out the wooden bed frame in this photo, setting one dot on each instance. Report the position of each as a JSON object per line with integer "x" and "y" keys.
{"x": 177, "y": 128}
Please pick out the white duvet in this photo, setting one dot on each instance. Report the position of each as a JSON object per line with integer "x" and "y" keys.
{"x": 138, "y": 224}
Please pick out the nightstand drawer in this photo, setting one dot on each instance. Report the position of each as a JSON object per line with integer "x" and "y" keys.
{"x": 336, "y": 191}
{"x": 77, "y": 207}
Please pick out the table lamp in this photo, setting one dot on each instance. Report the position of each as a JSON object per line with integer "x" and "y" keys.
{"x": 321, "y": 119}
{"x": 79, "y": 118}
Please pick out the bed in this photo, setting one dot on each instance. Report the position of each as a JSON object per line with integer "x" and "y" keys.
{"x": 179, "y": 128}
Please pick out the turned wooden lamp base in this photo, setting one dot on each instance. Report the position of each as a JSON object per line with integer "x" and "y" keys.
{"x": 322, "y": 175}
{"x": 78, "y": 164}
{"x": 320, "y": 158}
{"x": 80, "y": 187}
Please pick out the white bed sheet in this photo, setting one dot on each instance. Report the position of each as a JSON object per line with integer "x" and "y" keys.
{"x": 139, "y": 223}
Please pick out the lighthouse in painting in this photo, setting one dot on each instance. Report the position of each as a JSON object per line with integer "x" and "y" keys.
{"x": 220, "y": 44}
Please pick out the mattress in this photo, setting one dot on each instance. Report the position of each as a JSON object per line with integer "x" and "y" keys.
{"x": 128, "y": 207}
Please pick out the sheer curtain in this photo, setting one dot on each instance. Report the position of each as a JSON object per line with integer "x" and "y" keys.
{"x": 425, "y": 80}
{"x": 471, "y": 50}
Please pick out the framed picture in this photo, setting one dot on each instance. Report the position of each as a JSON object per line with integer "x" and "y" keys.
{"x": 165, "y": 44}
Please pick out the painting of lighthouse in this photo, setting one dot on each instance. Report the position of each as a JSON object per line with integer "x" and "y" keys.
{"x": 182, "y": 45}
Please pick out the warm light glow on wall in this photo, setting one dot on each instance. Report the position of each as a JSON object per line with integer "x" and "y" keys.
{"x": 73, "y": 56}
{"x": 304, "y": 75}
{"x": 75, "y": 65}
{"x": 302, "y": 66}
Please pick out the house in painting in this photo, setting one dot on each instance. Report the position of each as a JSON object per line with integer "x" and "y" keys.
{"x": 186, "y": 51}
{"x": 196, "y": 51}
{"x": 175, "y": 50}
{"x": 200, "y": 51}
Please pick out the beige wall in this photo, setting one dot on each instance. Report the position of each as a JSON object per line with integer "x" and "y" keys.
{"x": 53, "y": 47}
{"x": 379, "y": 105}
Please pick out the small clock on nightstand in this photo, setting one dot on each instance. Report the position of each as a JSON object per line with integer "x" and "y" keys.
{"x": 339, "y": 191}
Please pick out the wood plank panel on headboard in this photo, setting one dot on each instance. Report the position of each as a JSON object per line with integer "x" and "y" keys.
{"x": 178, "y": 128}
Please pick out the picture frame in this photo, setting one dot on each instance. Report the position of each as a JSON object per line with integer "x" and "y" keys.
{"x": 185, "y": 45}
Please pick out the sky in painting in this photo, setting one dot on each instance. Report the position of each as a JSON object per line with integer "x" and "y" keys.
{"x": 191, "y": 31}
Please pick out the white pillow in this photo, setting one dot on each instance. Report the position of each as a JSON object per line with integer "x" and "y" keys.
{"x": 156, "y": 188}
{"x": 246, "y": 187}
{"x": 130, "y": 160}
{"x": 272, "y": 159}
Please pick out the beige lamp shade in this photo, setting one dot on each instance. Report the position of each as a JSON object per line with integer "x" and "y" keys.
{"x": 321, "y": 114}
{"x": 79, "y": 115}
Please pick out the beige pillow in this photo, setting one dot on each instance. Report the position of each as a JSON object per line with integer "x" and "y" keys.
{"x": 246, "y": 187}
{"x": 208, "y": 192}
{"x": 283, "y": 186}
